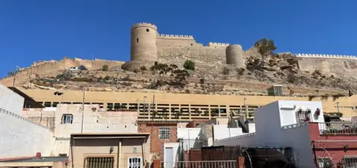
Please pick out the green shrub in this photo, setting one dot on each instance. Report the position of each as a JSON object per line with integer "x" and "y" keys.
{"x": 189, "y": 65}
{"x": 265, "y": 46}
{"x": 105, "y": 68}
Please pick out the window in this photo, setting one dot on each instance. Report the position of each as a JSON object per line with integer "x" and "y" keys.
{"x": 67, "y": 119}
{"x": 99, "y": 162}
{"x": 147, "y": 30}
{"x": 110, "y": 106}
{"x": 47, "y": 104}
{"x": 54, "y": 104}
{"x": 134, "y": 162}
{"x": 164, "y": 133}
{"x": 116, "y": 106}
{"x": 324, "y": 162}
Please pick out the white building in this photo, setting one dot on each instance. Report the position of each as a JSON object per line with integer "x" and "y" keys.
{"x": 67, "y": 119}
{"x": 283, "y": 124}
{"x": 20, "y": 137}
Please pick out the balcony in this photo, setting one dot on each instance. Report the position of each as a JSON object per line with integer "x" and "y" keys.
{"x": 338, "y": 128}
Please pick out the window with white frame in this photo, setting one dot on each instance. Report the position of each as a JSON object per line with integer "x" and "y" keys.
{"x": 67, "y": 119}
{"x": 164, "y": 133}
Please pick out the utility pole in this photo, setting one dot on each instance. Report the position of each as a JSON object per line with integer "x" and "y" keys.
{"x": 338, "y": 108}
{"x": 83, "y": 98}
{"x": 245, "y": 108}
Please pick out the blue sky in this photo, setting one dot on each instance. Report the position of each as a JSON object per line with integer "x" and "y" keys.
{"x": 32, "y": 30}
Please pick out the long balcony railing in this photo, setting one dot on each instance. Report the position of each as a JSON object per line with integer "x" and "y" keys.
{"x": 201, "y": 164}
{"x": 338, "y": 128}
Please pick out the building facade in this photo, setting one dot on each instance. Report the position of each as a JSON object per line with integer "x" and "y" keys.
{"x": 300, "y": 125}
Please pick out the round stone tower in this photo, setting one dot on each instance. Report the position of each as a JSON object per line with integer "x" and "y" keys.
{"x": 143, "y": 42}
{"x": 235, "y": 56}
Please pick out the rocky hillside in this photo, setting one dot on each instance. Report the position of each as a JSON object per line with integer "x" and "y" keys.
{"x": 263, "y": 68}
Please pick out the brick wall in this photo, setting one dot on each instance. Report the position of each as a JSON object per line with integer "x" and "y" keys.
{"x": 157, "y": 144}
{"x": 335, "y": 147}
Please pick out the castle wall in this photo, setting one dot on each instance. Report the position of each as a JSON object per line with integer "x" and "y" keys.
{"x": 329, "y": 64}
{"x": 178, "y": 48}
{"x": 174, "y": 41}
{"x": 52, "y": 68}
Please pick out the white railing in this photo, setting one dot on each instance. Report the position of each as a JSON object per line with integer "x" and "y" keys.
{"x": 202, "y": 164}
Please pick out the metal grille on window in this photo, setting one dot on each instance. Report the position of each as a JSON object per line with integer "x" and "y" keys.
{"x": 99, "y": 162}
{"x": 350, "y": 162}
{"x": 324, "y": 162}
{"x": 134, "y": 162}
{"x": 164, "y": 133}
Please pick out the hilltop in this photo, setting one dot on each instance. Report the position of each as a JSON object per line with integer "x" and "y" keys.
{"x": 261, "y": 73}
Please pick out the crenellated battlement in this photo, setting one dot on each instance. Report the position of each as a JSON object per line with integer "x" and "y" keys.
{"x": 215, "y": 44}
{"x": 171, "y": 36}
{"x": 326, "y": 56}
{"x": 144, "y": 24}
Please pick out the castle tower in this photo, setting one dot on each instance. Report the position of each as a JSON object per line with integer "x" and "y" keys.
{"x": 143, "y": 42}
{"x": 235, "y": 56}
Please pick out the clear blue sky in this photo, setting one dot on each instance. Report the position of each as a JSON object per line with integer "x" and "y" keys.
{"x": 32, "y": 30}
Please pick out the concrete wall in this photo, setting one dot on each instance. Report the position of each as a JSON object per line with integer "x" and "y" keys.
{"x": 189, "y": 137}
{"x": 10, "y": 101}
{"x": 42, "y": 116}
{"x": 20, "y": 137}
{"x": 222, "y": 131}
{"x": 109, "y": 148}
{"x": 273, "y": 131}
{"x": 346, "y": 104}
{"x": 93, "y": 121}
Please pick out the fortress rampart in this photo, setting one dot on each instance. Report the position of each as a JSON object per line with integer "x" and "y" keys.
{"x": 327, "y": 56}
{"x": 148, "y": 45}
{"x": 344, "y": 65}
{"x": 51, "y": 68}
{"x": 170, "y": 36}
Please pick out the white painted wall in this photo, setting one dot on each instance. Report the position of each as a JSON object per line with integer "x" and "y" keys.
{"x": 288, "y": 111}
{"x": 20, "y": 137}
{"x": 222, "y": 131}
{"x": 189, "y": 137}
{"x": 175, "y": 147}
{"x": 277, "y": 127}
{"x": 94, "y": 121}
{"x": 10, "y": 101}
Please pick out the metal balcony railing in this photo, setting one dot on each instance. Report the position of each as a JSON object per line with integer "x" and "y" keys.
{"x": 338, "y": 128}
{"x": 201, "y": 164}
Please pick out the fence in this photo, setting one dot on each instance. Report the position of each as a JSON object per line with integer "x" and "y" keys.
{"x": 338, "y": 128}
{"x": 202, "y": 164}
{"x": 349, "y": 163}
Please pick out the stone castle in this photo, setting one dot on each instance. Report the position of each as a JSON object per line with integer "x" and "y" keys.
{"x": 148, "y": 46}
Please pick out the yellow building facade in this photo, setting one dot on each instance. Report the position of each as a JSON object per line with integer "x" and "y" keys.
{"x": 170, "y": 106}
